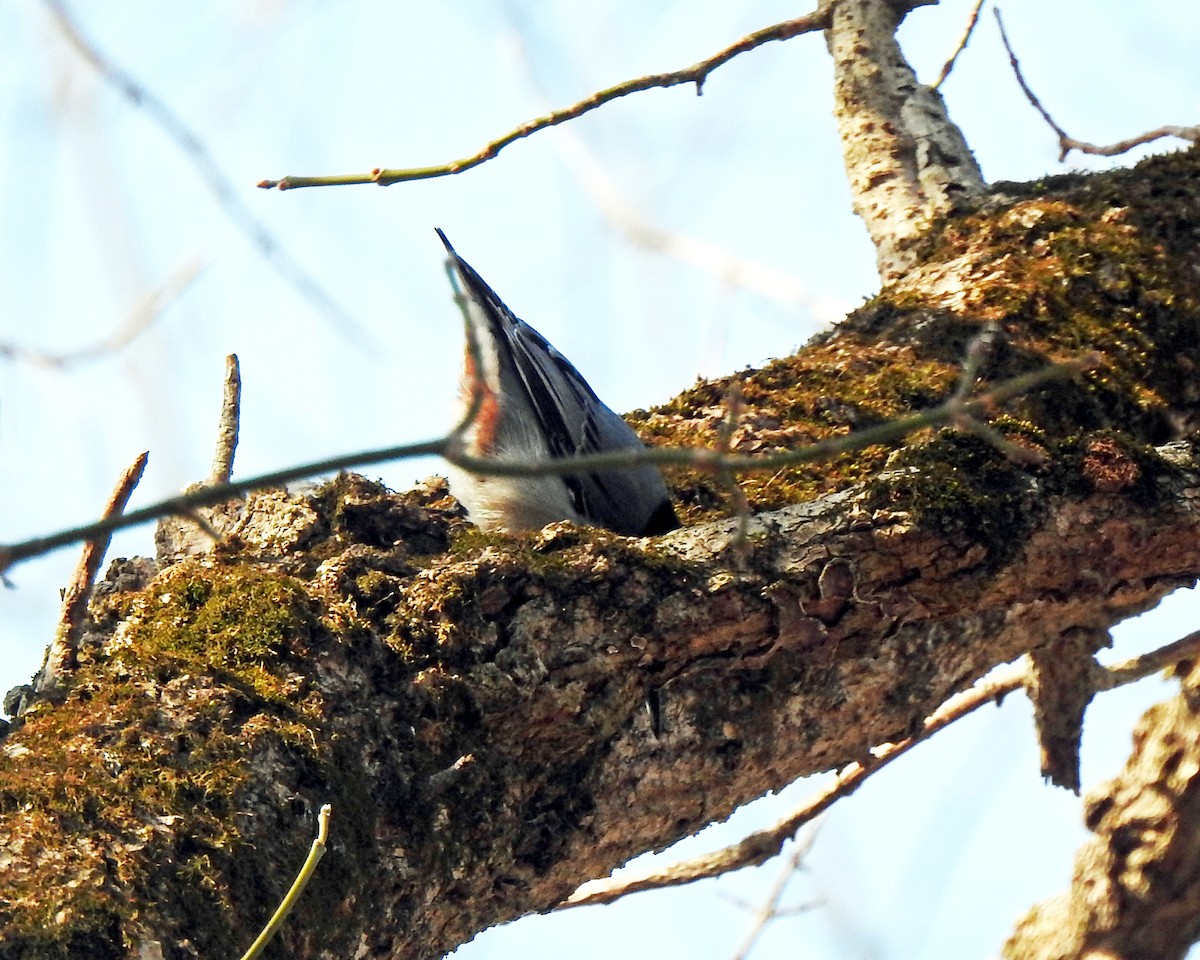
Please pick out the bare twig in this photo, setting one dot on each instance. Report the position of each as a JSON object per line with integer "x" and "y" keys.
{"x": 315, "y": 853}
{"x": 227, "y": 429}
{"x": 764, "y": 844}
{"x": 771, "y": 908}
{"x": 978, "y": 349}
{"x": 972, "y": 20}
{"x": 450, "y": 447}
{"x": 977, "y": 352}
{"x": 697, "y": 73}
{"x": 137, "y": 323}
{"x": 196, "y": 527}
{"x": 61, "y": 654}
{"x": 1067, "y": 143}
{"x": 219, "y": 184}
{"x": 1014, "y": 452}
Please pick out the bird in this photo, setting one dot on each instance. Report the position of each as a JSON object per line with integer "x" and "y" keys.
{"x": 534, "y": 405}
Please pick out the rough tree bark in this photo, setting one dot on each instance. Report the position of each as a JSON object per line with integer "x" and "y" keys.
{"x": 474, "y": 706}
{"x": 1136, "y": 891}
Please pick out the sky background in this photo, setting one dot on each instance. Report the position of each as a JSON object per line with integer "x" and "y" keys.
{"x": 100, "y": 208}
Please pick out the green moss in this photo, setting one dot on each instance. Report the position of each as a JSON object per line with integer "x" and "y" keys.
{"x": 150, "y": 752}
{"x": 1065, "y": 267}
{"x": 962, "y": 487}
{"x": 830, "y": 389}
{"x": 239, "y": 620}
{"x": 85, "y": 925}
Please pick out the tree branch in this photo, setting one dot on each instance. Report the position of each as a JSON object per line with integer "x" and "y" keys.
{"x": 477, "y": 701}
{"x": 696, "y": 74}
{"x": 61, "y": 654}
{"x": 906, "y": 161}
{"x": 227, "y": 428}
{"x": 763, "y": 845}
{"x": 315, "y": 853}
{"x": 968, "y": 31}
{"x": 1067, "y": 143}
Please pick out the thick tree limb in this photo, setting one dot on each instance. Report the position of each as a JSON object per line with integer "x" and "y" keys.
{"x": 475, "y": 704}
{"x": 764, "y": 845}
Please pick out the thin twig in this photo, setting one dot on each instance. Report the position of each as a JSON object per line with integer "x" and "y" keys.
{"x": 61, "y": 655}
{"x": 762, "y": 845}
{"x": 1013, "y": 452}
{"x": 962, "y": 45}
{"x": 137, "y": 323}
{"x": 227, "y": 429}
{"x": 219, "y": 184}
{"x": 770, "y": 908}
{"x": 1067, "y": 143}
{"x": 450, "y": 447}
{"x": 706, "y": 459}
{"x": 315, "y": 853}
{"x": 697, "y": 73}
{"x": 1128, "y": 671}
{"x": 741, "y": 506}
{"x": 978, "y": 350}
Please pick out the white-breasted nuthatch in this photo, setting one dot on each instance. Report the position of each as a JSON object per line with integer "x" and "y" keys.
{"x": 534, "y": 406}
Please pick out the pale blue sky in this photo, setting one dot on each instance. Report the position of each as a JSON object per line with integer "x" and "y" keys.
{"x": 936, "y": 857}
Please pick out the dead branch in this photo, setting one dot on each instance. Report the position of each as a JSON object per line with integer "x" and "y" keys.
{"x": 60, "y": 655}
{"x": 195, "y": 528}
{"x": 227, "y": 428}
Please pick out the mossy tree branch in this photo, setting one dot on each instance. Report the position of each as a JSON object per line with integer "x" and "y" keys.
{"x": 475, "y": 703}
